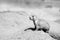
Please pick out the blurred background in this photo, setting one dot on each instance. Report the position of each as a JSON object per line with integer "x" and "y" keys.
{"x": 32, "y": 3}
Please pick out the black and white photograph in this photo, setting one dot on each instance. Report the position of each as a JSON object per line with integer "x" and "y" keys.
{"x": 29, "y": 19}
